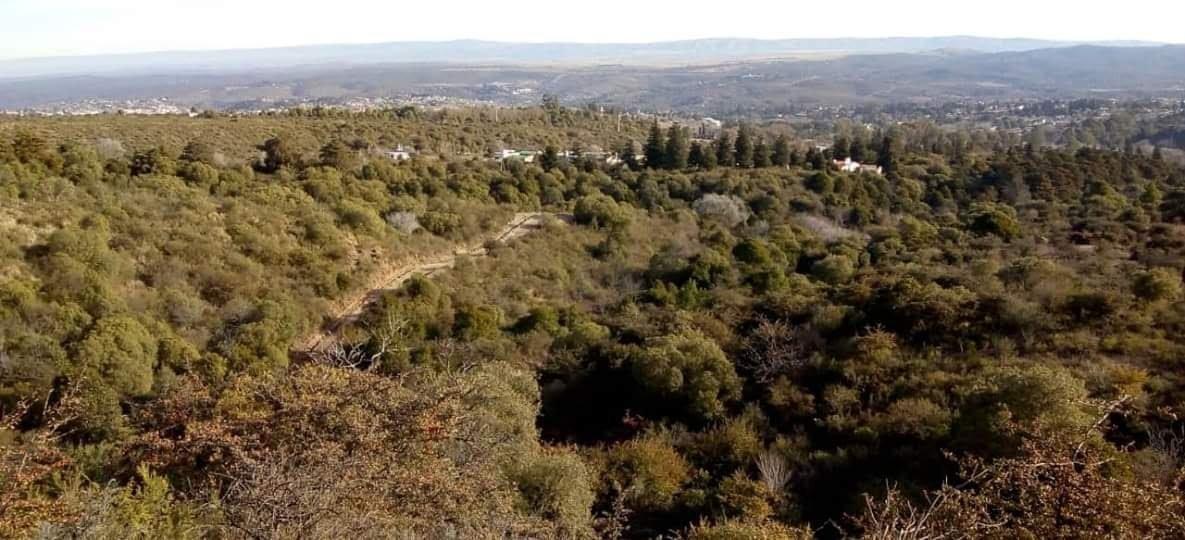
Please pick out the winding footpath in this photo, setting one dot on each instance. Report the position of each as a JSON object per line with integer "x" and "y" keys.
{"x": 352, "y": 308}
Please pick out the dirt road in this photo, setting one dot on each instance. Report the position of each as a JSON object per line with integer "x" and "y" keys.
{"x": 352, "y": 308}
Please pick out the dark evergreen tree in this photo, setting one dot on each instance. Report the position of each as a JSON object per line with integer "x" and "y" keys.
{"x": 677, "y": 148}
{"x": 709, "y": 154}
{"x": 744, "y": 148}
{"x": 781, "y": 156}
{"x": 337, "y": 154}
{"x": 628, "y": 153}
{"x": 695, "y": 157}
{"x": 655, "y": 149}
{"x": 550, "y": 158}
{"x": 887, "y": 157}
{"x": 724, "y": 150}
{"x": 816, "y": 159}
{"x": 856, "y": 151}
{"x": 841, "y": 148}
{"x": 277, "y": 154}
{"x": 761, "y": 154}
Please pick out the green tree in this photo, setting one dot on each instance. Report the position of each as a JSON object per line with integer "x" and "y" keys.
{"x": 151, "y": 161}
{"x": 629, "y": 153}
{"x": 691, "y": 367}
{"x": 339, "y": 155}
{"x": 655, "y": 148}
{"x": 199, "y": 152}
{"x": 887, "y": 157}
{"x": 857, "y": 151}
{"x": 550, "y": 158}
{"x": 120, "y": 352}
{"x": 744, "y": 148}
{"x": 277, "y": 154}
{"x": 993, "y": 218}
{"x": 782, "y": 153}
{"x": 1157, "y": 284}
{"x": 695, "y": 157}
{"x": 761, "y": 154}
{"x": 725, "y": 154}
{"x": 675, "y": 155}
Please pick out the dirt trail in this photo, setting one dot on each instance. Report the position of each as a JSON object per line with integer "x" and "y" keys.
{"x": 352, "y": 308}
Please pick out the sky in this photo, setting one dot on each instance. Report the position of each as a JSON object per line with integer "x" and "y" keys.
{"x": 32, "y": 28}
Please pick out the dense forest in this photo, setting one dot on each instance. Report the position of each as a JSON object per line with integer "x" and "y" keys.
{"x": 712, "y": 340}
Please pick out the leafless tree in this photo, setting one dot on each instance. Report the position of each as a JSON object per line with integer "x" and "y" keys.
{"x": 775, "y": 471}
{"x": 387, "y": 337}
{"x": 776, "y": 348}
{"x": 404, "y": 222}
{"x": 730, "y": 210}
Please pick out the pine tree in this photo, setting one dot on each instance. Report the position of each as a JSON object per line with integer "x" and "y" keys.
{"x": 744, "y": 148}
{"x": 888, "y": 155}
{"x": 815, "y": 159}
{"x": 655, "y": 147}
{"x": 841, "y": 148}
{"x": 550, "y": 158}
{"x": 695, "y": 157}
{"x": 709, "y": 157}
{"x": 761, "y": 154}
{"x": 628, "y": 153}
{"x": 856, "y": 151}
{"x": 675, "y": 156}
{"x": 781, "y": 156}
{"x": 724, "y": 151}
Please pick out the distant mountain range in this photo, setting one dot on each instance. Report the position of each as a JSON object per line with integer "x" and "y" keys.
{"x": 470, "y": 52}
{"x": 705, "y": 76}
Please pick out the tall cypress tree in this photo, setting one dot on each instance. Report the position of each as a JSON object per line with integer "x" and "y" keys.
{"x": 655, "y": 147}
{"x": 744, "y": 148}
{"x": 695, "y": 157}
{"x": 841, "y": 149}
{"x": 856, "y": 150}
{"x": 724, "y": 150}
{"x": 887, "y": 157}
{"x": 677, "y": 149}
{"x": 629, "y": 155}
{"x": 761, "y": 154}
{"x": 781, "y": 156}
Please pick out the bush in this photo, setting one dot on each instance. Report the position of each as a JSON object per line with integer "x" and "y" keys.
{"x": 741, "y": 530}
{"x": 744, "y": 498}
{"x": 555, "y": 485}
{"x": 691, "y": 367}
{"x": 993, "y": 218}
{"x": 476, "y": 322}
{"x": 601, "y": 211}
{"x": 120, "y": 352}
{"x": 649, "y": 470}
{"x": 833, "y": 269}
{"x": 441, "y": 223}
{"x": 1157, "y": 284}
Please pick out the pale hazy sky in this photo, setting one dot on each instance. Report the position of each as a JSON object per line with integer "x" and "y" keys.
{"x": 69, "y": 27}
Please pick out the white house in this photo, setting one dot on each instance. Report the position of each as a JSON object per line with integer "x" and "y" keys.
{"x": 847, "y": 165}
{"x": 527, "y": 156}
{"x": 399, "y": 153}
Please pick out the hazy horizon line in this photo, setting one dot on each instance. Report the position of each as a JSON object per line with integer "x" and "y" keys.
{"x": 1051, "y": 41}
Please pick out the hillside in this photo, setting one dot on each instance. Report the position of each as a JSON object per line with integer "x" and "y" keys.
{"x": 1063, "y": 72}
{"x": 735, "y": 339}
{"x": 472, "y": 51}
